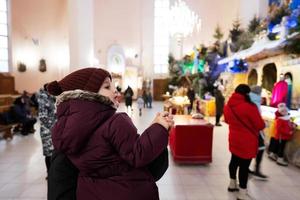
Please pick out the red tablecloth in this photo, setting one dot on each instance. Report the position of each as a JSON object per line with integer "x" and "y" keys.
{"x": 191, "y": 140}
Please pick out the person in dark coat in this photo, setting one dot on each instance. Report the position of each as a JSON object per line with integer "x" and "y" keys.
{"x": 145, "y": 98}
{"x": 128, "y": 94}
{"x": 22, "y": 115}
{"x": 191, "y": 96}
{"x": 149, "y": 99}
{"x": 27, "y": 101}
{"x": 103, "y": 145}
{"x": 244, "y": 122}
{"x": 219, "y": 101}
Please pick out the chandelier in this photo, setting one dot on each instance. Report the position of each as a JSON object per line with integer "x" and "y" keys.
{"x": 182, "y": 20}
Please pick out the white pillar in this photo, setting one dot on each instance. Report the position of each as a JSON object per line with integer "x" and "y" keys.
{"x": 81, "y": 33}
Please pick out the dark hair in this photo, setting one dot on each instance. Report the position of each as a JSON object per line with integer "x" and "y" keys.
{"x": 244, "y": 90}
{"x": 45, "y": 86}
{"x": 18, "y": 101}
{"x": 54, "y": 88}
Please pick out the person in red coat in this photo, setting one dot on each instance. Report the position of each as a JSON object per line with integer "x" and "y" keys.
{"x": 244, "y": 122}
{"x": 283, "y": 132}
{"x": 103, "y": 145}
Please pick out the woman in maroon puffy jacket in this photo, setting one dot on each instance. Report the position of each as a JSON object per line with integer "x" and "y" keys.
{"x": 244, "y": 122}
{"x": 104, "y": 145}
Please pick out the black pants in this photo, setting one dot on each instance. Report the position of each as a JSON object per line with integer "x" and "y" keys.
{"x": 218, "y": 117}
{"x": 277, "y": 146}
{"x": 27, "y": 125}
{"x": 259, "y": 156}
{"x": 258, "y": 160}
{"x": 48, "y": 162}
{"x": 281, "y": 147}
{"x": 243, "y": 165}
{"x": 273, "y": 147}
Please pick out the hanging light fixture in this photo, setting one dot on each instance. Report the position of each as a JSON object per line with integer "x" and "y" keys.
{"x": 182, "y": 20}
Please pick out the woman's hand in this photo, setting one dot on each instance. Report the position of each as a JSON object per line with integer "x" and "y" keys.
{"x": 169, "y": 118}
{"x": 164, "y": 119}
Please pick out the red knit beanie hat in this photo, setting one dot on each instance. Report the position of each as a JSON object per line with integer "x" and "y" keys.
{"x": 88, "y": 79}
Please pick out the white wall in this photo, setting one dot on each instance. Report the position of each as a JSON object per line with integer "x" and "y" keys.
{"x": 263, "y": 8}
{"x": 46, "y": 23}
{"x": 248, "y": 9}
{"x": 127, "y": 23}
{"x": 211, "y": 13}
{"x": 117, "y": 22}
{"x": 81, "y": 33}
{"x": 147, "y": 13}
{"x": 130, "y": 24}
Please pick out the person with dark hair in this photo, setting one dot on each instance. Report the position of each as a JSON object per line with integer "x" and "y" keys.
{"x": 219, "y": 101}
{"x": 191, "y": 95}
{"x": 22, "y": 115}
{"x": 149, "y": 99}
{"x": 34, "y": 102}
{"x": 47, "y": 116}
{"x": 244, "y": 122}
{"x": 145, "y": 98}
{"x": 27, "y": 101}
{"x": 111, "y": 157}
{"x": 128, "y": 94}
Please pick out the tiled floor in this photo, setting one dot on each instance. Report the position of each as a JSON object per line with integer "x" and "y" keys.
{"x": 22, "y": 171}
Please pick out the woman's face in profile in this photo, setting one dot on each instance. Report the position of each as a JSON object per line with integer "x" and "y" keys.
{"x": 108, "y": 90}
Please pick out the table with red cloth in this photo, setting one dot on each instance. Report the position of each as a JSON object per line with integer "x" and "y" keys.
{"x": 191, "y": 140}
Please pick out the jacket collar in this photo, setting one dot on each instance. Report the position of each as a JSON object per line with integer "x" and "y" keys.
{"x": 83, "y": 95}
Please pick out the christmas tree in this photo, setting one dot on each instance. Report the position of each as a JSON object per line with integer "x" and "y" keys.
{"x": 236, "y": 31}
{"x": 254, "y": 25}
{"x": 218, "y": 33}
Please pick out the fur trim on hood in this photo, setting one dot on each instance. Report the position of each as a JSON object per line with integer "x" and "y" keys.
{"x": 83, "y": 95}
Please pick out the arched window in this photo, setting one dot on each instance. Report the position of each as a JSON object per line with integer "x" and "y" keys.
{"x": 3, "y": 37}
{"x": 252, "y": 78}
{"x": 269, "y": 76}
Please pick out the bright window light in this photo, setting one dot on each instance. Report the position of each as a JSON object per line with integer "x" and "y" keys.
{"x": 3, "y": 66}
{"x": 3, "y": 37}
{"x": 3, "y": 42}
{"x": 3, "y": 29}
{"x": 183, "y": 20}
{"x": 3, "y": 17}
{"x": 4, "y": 54}
{"x": 3, "y": 5}
{"x": 161, "y": 36}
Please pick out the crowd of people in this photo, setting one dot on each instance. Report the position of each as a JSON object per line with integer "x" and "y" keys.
{"x": 144, "y": 100}
{"x": 247, "y": 139}
{"x": 96, "y": 151}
